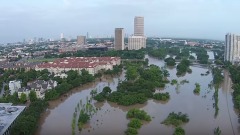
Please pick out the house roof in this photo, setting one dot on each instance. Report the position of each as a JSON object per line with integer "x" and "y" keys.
{"x": 78, "y": 62}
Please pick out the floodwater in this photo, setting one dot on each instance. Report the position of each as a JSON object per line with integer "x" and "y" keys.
{"x": 111, "y": 118}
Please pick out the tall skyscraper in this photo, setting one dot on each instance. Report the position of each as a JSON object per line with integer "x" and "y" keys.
{"x": 139, "y": 26}
{"x": 81, "y": 40}
{"x": 232, "y": 48}
{"x": 138, "y": 40}
{"x": 119, "y": 39}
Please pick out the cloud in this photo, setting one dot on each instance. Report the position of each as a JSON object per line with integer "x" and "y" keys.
{"x": 197, "y": 18}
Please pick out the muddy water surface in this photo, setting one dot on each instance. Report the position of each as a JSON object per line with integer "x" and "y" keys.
{"x": 111, "y": 118}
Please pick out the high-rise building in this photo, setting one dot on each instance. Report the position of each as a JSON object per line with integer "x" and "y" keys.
{"x": 81, "y": 40}
{"x": 232, "y": 48}
{"x": 87, "y": 36}
{"x": 119, "y": 39}
{"x": 139, "y": 26}
{"x": 138, "y": 40}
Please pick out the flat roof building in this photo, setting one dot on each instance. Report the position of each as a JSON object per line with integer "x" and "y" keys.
{"x": 8, "y": 115}
{"x": 136, "y": 42}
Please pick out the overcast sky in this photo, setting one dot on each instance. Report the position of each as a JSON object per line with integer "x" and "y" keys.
{"x": 210, "y": 19}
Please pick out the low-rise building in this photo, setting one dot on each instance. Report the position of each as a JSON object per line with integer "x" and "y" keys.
{"x": 39, "y": 86}
{"x": 90, "y": 64}
{"x": 14, "y": 86}
{"x": 8, "y": 115}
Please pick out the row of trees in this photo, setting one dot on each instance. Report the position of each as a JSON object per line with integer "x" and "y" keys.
{"x": 176, "y": 119}
{"x": 217, "y": 76}
{"x": 124, "y": 54}
{"x": 27, "y": 122}
{"x": 161, "y": 96}
{"x": 73, "y": 80}
{"x": 235, "y": 75}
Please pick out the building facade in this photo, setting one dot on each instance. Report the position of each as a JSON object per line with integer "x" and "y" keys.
{"x": 14, "y": 86}
{"x": 136, "y": 42}
{"x": 81, "y": 40}
{"x": 232, "y": 48}
{"x": 139, "y": 26}
{"x": 119, "y": 39}
{"x": 91, "y": 64}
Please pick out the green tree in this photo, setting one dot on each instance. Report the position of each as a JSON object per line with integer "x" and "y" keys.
{"x": 23, "y": 98}
{"x": 32, "y": 96}
{"x": 131, "y": 73}
{"x": 135, "y": 123}
{"x": 107, "y": 90}
{"x": 179, "y": 131}
{"x": 131, "y": 131}
{"x": 170, "y": 61}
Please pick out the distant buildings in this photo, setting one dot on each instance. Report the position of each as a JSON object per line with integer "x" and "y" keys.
{"x": 14, "y": 86}
{"x": 232, "y": 48}
{"x": 73, "y": 48}
{"x": 91, "y": 64}
{"x": 138, "y": 40}
{"x": 119, "y": 39}
{"x": 81, "y": 40}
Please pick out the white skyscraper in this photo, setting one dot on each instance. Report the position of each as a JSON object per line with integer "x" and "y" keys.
{"x": 232, "y": 48}
{"x": 138, "y": 40}
{"x": 119, "y": 39}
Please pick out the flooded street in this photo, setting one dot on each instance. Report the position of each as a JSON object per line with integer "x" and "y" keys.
{"x": 111, "y": 118}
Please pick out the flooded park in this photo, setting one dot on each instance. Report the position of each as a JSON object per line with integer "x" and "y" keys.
{"x": 110, "y": 118}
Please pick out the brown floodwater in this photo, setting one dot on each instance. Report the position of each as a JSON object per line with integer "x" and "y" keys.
{"x": 111, "y": 119}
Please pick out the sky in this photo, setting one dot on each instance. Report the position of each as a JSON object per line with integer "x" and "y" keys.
{"x": 204, "y": 19}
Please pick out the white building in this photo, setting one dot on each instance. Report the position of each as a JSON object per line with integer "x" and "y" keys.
{"x": 136, "y": 42}
{"x": 232, "y": 48}
{"x": 14, "y": 86}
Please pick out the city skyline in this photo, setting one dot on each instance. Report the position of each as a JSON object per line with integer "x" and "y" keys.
{"x": 202, "y": 19}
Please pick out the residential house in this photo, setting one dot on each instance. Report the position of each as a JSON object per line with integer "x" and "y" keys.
{"x": 14, "y": 86}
